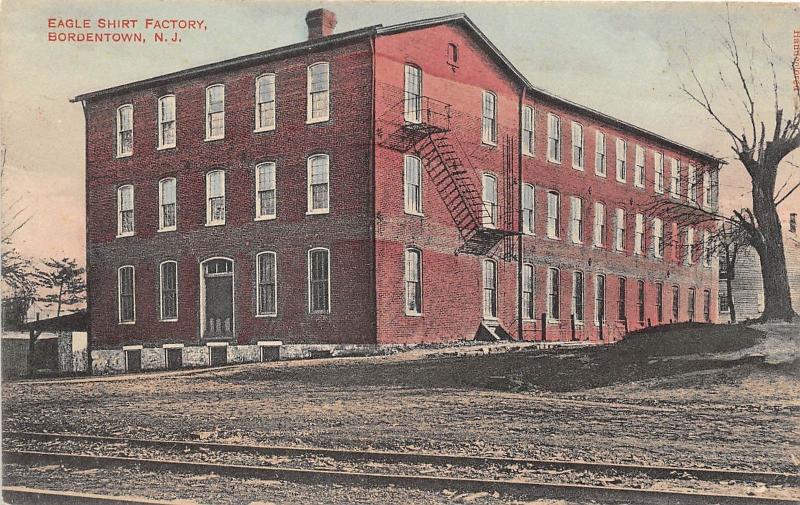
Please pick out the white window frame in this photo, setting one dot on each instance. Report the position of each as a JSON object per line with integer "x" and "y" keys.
{"x": 208, "y": 112}
{"x": 708, "y": 251}
{"x": 260, "y": 215}
{"x": 260, "y": 312}
{"x": 600, "y": 160}
{"x": 528, "y": 131}
{"x": 119, "y": 295}
{"x": 162, "y": 122}
{"x": 328, "y": 256}
{"x": 601, "y": 299}
{"x": 689, "y": 244}
{"x": 528, "y": 209}
{"x": 658, "y": 172}
{"x": 553, "y": 138}
{"x": 309, "y": 98}
{"x": 658, "y": 238}
{"x": 619, "y": 230}
{"x": 310, "y": 208}
{"x": 490, "y": 201}
{"x": 270, "y": 79}
{"x": 691, "y": 185}
{"x": 638, "y": 235}
{"x": 487, "y": 313}
{"x": 412, "y": 206}
{"x": 122, "y": 129}
{"x": 576, "y": 219}
{"x": 407, "y": 257}
{"x": 639, "y": 167}
{"x": 489, "y": 123}
{"x": 579, "y": 320}
{"x": 706, "y": 189}
{"x": 599, "y": 227}
{"x": 528, "y": 286}
{"x": 209, "y": 210}
{"x": 161, "y": 183}
{"x": 554, "y": 218}
{"x": 675, "y": 178}
{"x": 551, "y": 295}
{"x": 577, "y": 145}
{"x": 412, "y": 96}
{"x": 622, "y": 160}
{"x": 120, "y": 210}
{"x": 161, "y": 292}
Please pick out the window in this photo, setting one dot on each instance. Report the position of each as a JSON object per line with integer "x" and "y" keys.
{"x": 489, "y": 124}
{"x": 577, "y": 296}
{"x": 724, "y": 306}
{"x": 638, "y": 168}
{"x": 265, "y": 102}
{"x": 489, "y": 201}
{"x": 554, "y": 138}
{"x": 676, "y": 300}
{"x": 690, "y": 304}
{"x": 167, "y": 215}
{"x": 266, "y": 201}
{"x": 660, "y": 302}
{"x": 621, "y": 312}
{"x": 412, "y": 101}
{"x": 675, "y": 239}
{"x": 675, "y": 178}
{"x": 489, "y": 289}
{"x": 318, "y": 187}
{"x": 166, "y": 121}
{"x": 619, "y": 230}
{"x": 319, "y": 289}
{"x": 723, "y": 268}
{"x": 125, "y": 130}
{"x": 553, "y": 212}
{"x": 689, "y": 246}
{"x": 452, "y": 54}
{"x": 638, "y": 235}
{"x": 125, "y": 223}
{"x": 640, "y": 300}
{"x": 708, "y": 249}
{"x": 215, "y": 112}
{"x": 168, "y": 288}
{"x": 266, "y": 284}
{"x": 706, "y": 189}
{"x": 215, "y": 198}
{"x": 553, "y": 294}
{"x": 599, "y": 299}
{"x": 126, "y": 279}
{"x": 599, "y": 224}
{"x": 707, "y": 306}
{"x": 622, "y": 160}
{"x": 413, "y": 185}
{"x": 576, "y": 220}
{"x": 600, "y": 154}
{"x": 691, "y": 189}
{"x": 577, "y": 146}
{"x": 658, "y": 161}
{"x": 713, "y": 190}
{"x": 413, "y": 280}
{"x": 527, "y": 292}
{"x": 318, "y": 99}
{"x": 658, "y": 238}
{"x": 527, "y": 131}
{"x": 527, "y": 209}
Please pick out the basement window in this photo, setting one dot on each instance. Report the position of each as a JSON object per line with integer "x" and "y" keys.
{"x": 133, "y": 358}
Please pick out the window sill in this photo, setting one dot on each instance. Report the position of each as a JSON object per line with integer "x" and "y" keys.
{"x": 209, "y": 225}
{"x": 319, "y": 313}
{"x": 599, "y": 174}
{"x": 166, "y": 148}
{"x": 490, "y": 318}
{"x": 529, "y": 155}
{"x": 165, "y": 230}
{"x": 265, "y": 316}
{"x": 172, "y": 346}
{"x": 529, "y": 233}
{"x": 125, "y": 155}
{"x": 623, "y": 181}
{"x": 579, "y": 168}
{"x": 548, "y": 237}
{"x": 317, "y": 120}
{"x": 127, "y": 322}
{"x": 123, "y": 235}
{"x": 212, "y": 139}
{"x": 412, "y": 213}
{"x": 317, "y": 212}
{"x": 577, "y": 242}
{"x": 168, "y": 320}
{"x": 262, "y": 130}
{"x": 553, "y": 322}
{"x": 638, "y": 186}
{"x": 270, "y": 217}
{"x": 488, "y": 143}
{"x": 598, "y": 246}
{"x": 414, "y": 314}
{"x": 551, "y": 160}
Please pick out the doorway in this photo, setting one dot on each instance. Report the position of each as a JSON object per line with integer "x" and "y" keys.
{"x": 216, "y": 299}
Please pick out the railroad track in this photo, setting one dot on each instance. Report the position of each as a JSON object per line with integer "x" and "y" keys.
{"x": 515, "y": 486}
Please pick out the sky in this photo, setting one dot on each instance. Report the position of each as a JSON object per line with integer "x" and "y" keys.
{"x": 626, "y": 59}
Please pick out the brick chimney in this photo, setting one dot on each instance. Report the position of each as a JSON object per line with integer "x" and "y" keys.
{"x": 321, "y": 23}
{"x": 793, "y": 222}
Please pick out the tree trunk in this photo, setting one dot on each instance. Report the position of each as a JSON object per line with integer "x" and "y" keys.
{"x": 777, "y": 297}
{"x": 729, "y": 295}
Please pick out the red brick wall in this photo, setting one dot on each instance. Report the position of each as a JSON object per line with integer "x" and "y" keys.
{"x": 346, "y": 231}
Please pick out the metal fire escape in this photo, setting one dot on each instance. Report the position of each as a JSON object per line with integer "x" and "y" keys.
{"x": 422, "y": 126}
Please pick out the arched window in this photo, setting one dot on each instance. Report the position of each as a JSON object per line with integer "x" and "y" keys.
{"x": 318, "y": 184}
{"x": 577, "y": 296}
{"x": 489, "y": 201}
{"x": 553, "y": 214}
{"x": 599, "y": 299}
{"x": 489, "y": 288}
{"x": 413, "y": 94}
{"x": 167, "y": 206}
{"x": 215, "y": 198}
{"x": 166, "y": 122}
{"x": 528, "y": 311}
{"x": 215, "y": 112}
{"x": 266, "y": 198}
{"x": 125, "y": 130}
{"x": 168, "y": 289}
{"x": 528, "y": 214}
{"x": 527, "y": 130}
{"x": 265, "y": 102}
{"x": 413, "y": 281}
{"x": 489, "y": 122}
{"x": 622, "y": 313}
{"x": 126, "y": 294}
{"x": 413, "y": 185}
{"x": 125, "y": 217}
{"x": 452, "y": 53}
{"x": 553, "y": 294}
{"x": 319, "y": 281}
{"x": 318, "y": 100}
{"x": 266, "y": 284}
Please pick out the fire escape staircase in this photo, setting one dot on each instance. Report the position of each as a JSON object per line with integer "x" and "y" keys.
{"x": 429, "y": 136}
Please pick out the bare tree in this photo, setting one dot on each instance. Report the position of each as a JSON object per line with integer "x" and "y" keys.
{"x": 761, "y": 145}
{"x": 728, "y": 241}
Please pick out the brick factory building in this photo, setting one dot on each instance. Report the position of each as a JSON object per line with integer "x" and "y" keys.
{"x": 377, "y": 187}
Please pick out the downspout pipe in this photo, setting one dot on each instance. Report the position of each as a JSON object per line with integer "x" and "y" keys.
{"x": 520, "y": 215}
{"x": 86, "y": 243}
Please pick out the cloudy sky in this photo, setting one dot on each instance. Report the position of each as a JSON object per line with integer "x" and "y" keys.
{"x": 625, "y": 59}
